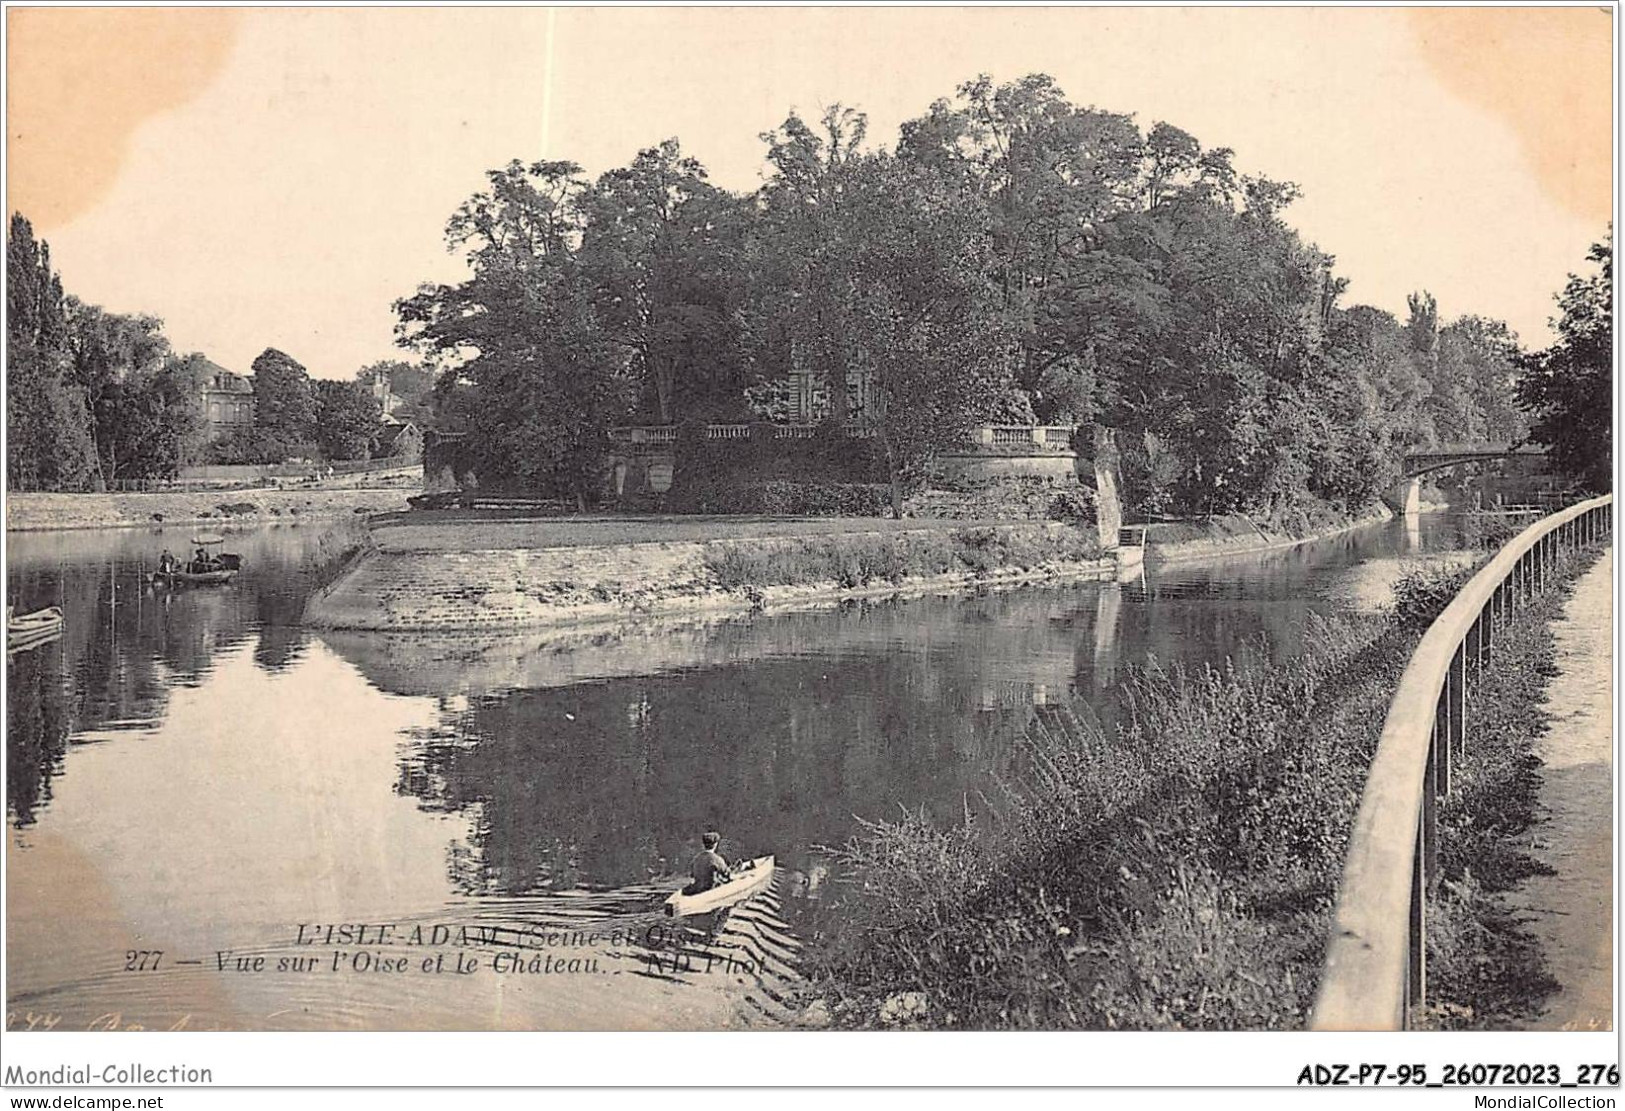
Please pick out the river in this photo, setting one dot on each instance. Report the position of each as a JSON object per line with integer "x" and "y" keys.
{"x": 191, "y": 773}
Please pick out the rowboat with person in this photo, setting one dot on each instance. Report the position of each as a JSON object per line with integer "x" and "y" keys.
{"x": 717, "y": 884}
{"x": 205, "y": 568}
{"x": 749, "y": 877}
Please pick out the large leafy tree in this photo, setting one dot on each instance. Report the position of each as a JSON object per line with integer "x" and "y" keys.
{"x": 1478, "y": 357}
{"x": 1052, "y": 174}
{"x": 798, "y": 272}
{"x": 539, "y": 378}
{"x": 173, "y": 394}
{"x": 1244, "y": 320}
{"x": 48, "y": 443}
{"x": 347, "y": 420}
{"x": 150, "y": 422}
{"x": 661, "y": 248}
{"x": 920, "y": 311}
{"x": 1568, "y": 388}
{"x": 284, "y": 405}
{"x": 121, "y": 364}
{"x": 1372, "y": 394}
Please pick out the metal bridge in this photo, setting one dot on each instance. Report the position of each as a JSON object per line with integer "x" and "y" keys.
{"x": 1422, "y": 461}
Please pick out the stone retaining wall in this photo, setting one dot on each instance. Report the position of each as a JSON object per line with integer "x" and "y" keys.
{"x": 390, "y": 589}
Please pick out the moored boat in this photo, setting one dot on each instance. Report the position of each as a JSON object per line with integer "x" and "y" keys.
{"x": 28, "y": 629}
{"x": 749, "y": 877}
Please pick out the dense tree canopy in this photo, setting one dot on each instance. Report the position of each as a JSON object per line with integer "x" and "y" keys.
{"x": 661, "y": 251}
{"x": 1569, "y": 386}
{"x": 146, "y": 420}
{"x": 48, "y": 443}
{"x": 348, "y": 420}
{"x": 284, "y": 403}
{"x": 1015, "y": 258}
{"x": 547, "y": 377}
{"x": 93, "y": 397}
{"x": 917, "y": 314}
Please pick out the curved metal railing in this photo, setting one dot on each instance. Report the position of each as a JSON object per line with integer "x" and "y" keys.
{"x": 1376, "y": 966}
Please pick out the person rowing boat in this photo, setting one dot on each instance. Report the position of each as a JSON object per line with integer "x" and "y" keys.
{"x": 708, "y": 866}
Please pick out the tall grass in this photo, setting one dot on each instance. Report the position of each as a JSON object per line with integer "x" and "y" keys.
{"x": 1484, "y": 967}
{"x": 1423, "y": 591}
{"x": 1178, "y": 871}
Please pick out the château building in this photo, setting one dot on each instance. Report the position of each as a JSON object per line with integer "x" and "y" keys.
{"x": 228, "y": 401}
{"x": 388, "y": 400}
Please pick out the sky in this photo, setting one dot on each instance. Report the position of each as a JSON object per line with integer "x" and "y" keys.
{"x": 278, "y": 177}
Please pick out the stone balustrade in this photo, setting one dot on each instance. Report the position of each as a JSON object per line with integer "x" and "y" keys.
{"x": 998, "y": 438}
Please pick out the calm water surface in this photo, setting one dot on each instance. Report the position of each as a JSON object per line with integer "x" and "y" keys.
{"x": 192, "y": 771}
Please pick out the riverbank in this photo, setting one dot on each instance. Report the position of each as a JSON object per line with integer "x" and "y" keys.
{"x": 1240, "y": 787}
{"x": 1170, "y": 871}
{"x": 40, "y": 512}
{"x": 443, "y": 575}
{"x": 1236, "y": 534}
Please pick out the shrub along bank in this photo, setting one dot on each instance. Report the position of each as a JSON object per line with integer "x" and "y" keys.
{"x": 1180, "y": 871}
{"x": 1004, "y": 498}
{"x": 859, "y": 559}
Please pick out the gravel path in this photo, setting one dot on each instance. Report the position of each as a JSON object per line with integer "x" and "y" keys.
{"x": 1572, "y": 912}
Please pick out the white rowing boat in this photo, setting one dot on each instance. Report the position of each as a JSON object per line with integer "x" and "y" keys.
{"x": 29, "y": 629}
{"x": 749, "y": 877}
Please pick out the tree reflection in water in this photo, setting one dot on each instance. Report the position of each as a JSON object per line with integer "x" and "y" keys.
{"x": 607, "y": 783}
{"x": 36, "y": 729}
{"x": 127, "y": 643}
{"x": 781, "y": 732}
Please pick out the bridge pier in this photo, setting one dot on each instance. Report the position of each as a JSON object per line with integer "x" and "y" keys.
{"x": 1405, "y": 498}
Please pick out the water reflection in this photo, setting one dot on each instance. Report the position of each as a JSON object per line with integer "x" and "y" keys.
{"x": 194, "y": 768}
{"x": 127, "y": 644}
{"x": 598, "y": 765}
{"x": 611, "y": 782}
{"x": 128, "y": 647}
{"x": 36, "y": 729}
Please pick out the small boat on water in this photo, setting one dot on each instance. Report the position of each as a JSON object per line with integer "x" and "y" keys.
{"x": 201, "y": 578}
{"x": 212, "y": 569}
{"x": 30, "y": 629}
{"x": 749, "y": 877}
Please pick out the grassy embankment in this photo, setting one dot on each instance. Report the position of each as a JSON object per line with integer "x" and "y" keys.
{"x": 1200, "y": 538}
{"x": 1181, "y": 872}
